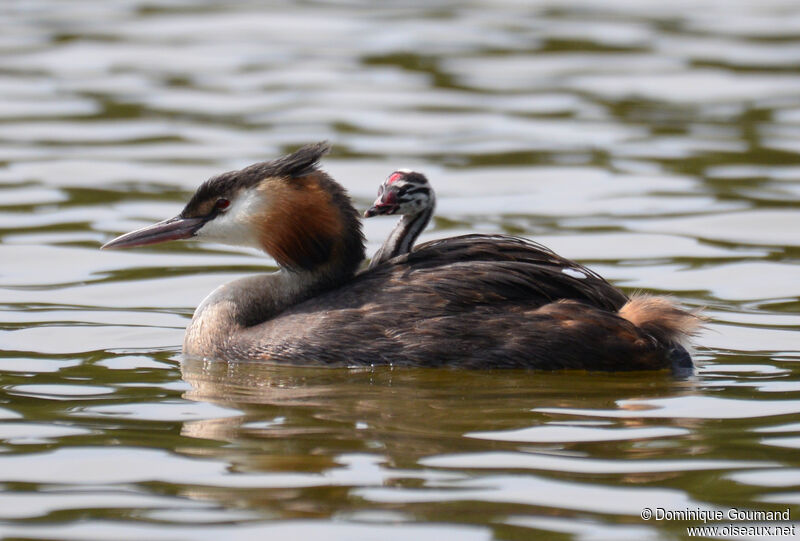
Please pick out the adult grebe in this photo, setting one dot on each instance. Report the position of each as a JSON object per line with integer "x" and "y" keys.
{"x": 476, "y": 301}
{"x": 410, "y": 195}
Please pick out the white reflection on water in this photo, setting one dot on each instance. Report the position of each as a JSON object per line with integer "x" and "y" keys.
{"x": 533, "y": 490}
{"x": 578, "y": 464}
{"x": 689, "y": 407}
{"x": 573, "y": 433}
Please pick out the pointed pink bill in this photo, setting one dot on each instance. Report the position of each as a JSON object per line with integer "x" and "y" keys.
{"x": 384, "y": 204}
{"x": 173, "y": 229}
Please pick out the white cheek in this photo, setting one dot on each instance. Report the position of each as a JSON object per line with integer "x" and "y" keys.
{"x": 234, "y": 226}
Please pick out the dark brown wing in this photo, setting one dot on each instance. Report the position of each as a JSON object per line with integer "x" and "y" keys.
{"x": 565, "y": 334}
{"x": 491, "y": 269}
{"x": 468, "y": 301}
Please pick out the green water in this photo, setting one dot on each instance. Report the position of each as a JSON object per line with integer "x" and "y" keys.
{"x": 657, "y": 143}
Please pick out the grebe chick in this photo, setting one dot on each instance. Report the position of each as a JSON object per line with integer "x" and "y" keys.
{"x": 410, "y": 195}
{"x": 474, "y": 301}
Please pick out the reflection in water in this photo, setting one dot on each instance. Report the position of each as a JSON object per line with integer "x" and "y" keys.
{"x": 371, "y": 433}
{"x": 403, "y": 413}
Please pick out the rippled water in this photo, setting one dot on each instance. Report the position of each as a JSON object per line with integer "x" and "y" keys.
{"x": 657, "y": 142}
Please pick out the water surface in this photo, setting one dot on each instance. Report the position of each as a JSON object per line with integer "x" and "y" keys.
{"x": 658, "y": 143}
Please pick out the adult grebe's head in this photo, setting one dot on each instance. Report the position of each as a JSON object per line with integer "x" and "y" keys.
{"x": 403, "y": 192}
{"x": 286, "y": 207}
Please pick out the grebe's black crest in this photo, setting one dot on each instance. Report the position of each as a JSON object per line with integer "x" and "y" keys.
{"x": 295, "y": 165}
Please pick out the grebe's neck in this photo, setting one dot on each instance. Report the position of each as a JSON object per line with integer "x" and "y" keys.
{"x": 311, "y": 229}
{"x": 403, "y": 236}
{"x": 248, "y": 301}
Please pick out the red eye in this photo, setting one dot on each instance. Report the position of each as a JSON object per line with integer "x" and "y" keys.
{"x": 222, "y": 204}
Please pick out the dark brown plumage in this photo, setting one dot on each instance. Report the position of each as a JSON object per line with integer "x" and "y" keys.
{"x": 472, "y": 302}
{"x": 475, "y": 301}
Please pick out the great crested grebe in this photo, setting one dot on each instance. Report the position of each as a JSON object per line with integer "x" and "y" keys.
{"x": 474, "y": 301}
{"x": 408, "y": 194}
